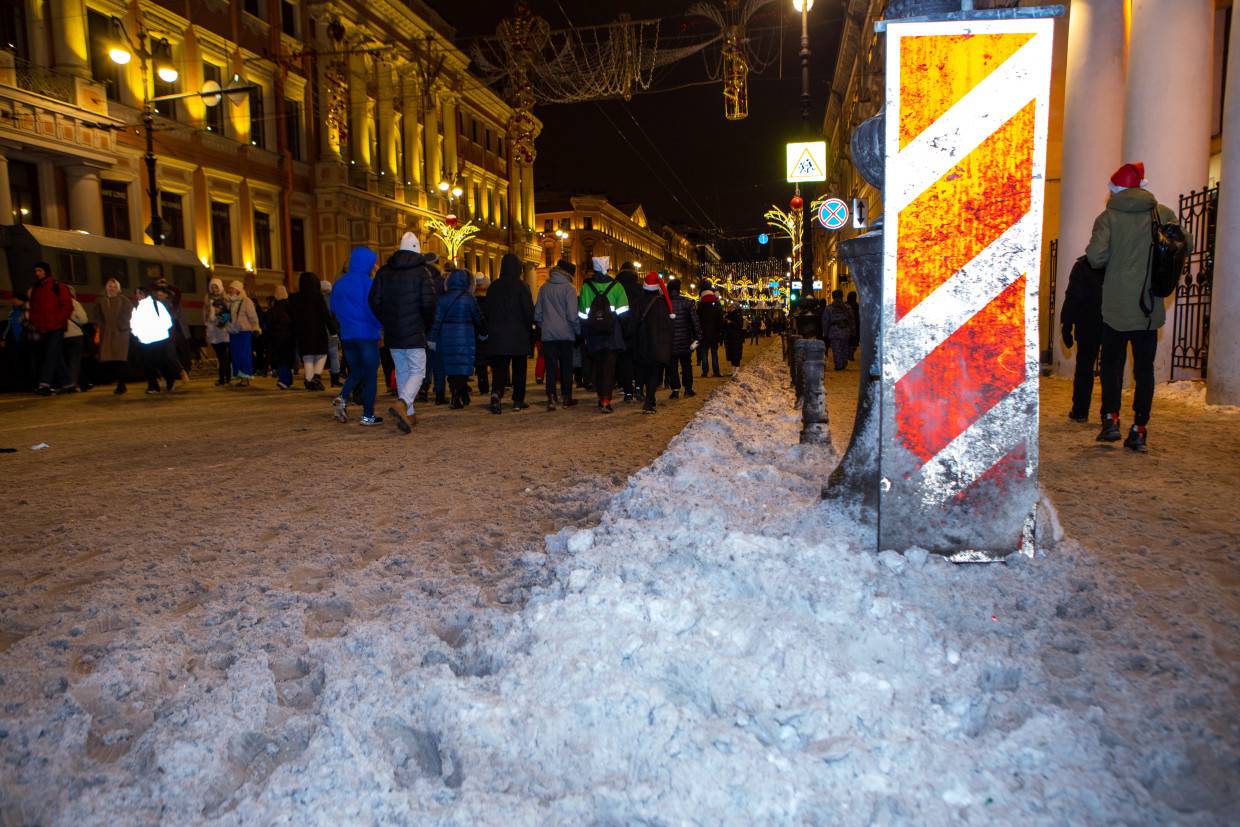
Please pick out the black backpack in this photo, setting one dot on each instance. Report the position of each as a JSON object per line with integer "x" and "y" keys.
{"x": 1168, "y": 249}
{"x": 601, "y": 320}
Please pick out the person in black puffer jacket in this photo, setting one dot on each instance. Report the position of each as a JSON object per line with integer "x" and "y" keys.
{"x": 311, "y": 327}
{"x": 1082, "y": 314}
{"x": 710, "y": 316}
{"x": 510, "y": 322}
{"x": 686, "y": 336}
{"x": 402, "y": 298}
{"x": 626, "y": 366}
{"x": 654, "y": 336}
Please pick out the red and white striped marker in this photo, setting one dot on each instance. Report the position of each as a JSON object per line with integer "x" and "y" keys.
{"x": 967, "y": 105}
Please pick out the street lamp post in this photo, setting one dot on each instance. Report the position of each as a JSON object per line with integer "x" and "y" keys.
{"x": 806, "y": 252}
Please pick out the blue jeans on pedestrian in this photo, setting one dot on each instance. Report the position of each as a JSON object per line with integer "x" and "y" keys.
{"x": 363, "y": 358}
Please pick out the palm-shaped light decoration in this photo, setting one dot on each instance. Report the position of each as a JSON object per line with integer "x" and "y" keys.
{"x": 788, "y": 224}
{"x": 453, "y": 233}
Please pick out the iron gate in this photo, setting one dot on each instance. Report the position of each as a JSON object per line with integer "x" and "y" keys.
{"x": 1190, "y": 341}
{"x": 1051, "y": 266}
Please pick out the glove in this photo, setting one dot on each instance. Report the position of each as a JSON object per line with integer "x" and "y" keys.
{"x": 1067, "y": 336}
{"x": 693, "y": 346}
{"x": 430, "y": 345}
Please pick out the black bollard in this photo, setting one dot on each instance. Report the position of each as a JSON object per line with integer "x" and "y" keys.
{"x": 815, "y": 428}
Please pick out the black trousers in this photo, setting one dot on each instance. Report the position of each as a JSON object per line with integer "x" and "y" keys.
{"x": 224, "y": 358}
{"x": 1115, "y": 345}
{"x": 603, "y": 365}
{"x": 840, "y": 350}
{"x": 650, "y": 375}
{"x": 509, "y": 371}
{"x": 559, "y": 357}
{"x": 484, "y": 371}
{"x": 158, "y": 359}
{"x": 459, "y": 387}
{"x": 116, "y": 372}
{"x": 681, "y": 371}
{"x": 626, "y": 372}
{"x": 1088, "y": 342}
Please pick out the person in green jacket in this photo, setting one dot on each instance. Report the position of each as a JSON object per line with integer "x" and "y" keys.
{"x": 1131, "y": 315}
{"x": 601, "y": 327}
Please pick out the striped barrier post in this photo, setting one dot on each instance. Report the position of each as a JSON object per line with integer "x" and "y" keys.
{"x": 966, "y": 126}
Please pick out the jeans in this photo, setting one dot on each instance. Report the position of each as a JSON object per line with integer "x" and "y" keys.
{"x": 1114, "y": 356}
{"x": 410, "y": 371}
{"x": 158, "y": 360}
{"x": 51, "y": 358}
{"x": 363, "y": 358}
{"x": 224, "y": 360}
{"x": 681, "y": 371}
{"x": 241, "y": 349}
{"x": 840, "y": 350}
{"x": 709, "y": 357}
{"x": 604, "y": 364}
{"x": 333, "y": 354}
{"x": 1088, "y": 343}
{"x": 509, "y": 370}
{"x": 559, "y": 357}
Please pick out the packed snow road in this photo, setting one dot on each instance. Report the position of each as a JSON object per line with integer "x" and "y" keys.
{"x": 722, "y": 647}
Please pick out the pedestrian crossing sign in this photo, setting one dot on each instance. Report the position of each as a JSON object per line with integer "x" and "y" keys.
{"x": 807, "y": 162}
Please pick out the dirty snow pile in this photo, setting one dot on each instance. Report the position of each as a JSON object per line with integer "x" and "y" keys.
{"x": 1191, "y": 392}
{"x": 723, "y": 648}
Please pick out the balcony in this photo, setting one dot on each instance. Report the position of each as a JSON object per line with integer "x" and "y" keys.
{"x": 38, "y": 80}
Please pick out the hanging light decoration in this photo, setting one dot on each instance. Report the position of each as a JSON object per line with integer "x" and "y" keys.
{"x": 735, "y": 78}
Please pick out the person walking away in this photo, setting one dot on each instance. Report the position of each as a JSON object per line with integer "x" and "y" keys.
{"x": 838, "y": 326}
{"x": 686, "y": 338}
{"x": 1081, "y": 322}
{"x": 482, "y": 364}
{"x": 734, "y": 337}
{"x": 111, "y": 314}
{"x": 654, "y": 336}
{"x": 601, "y": 313}
{"x": 311, "y": 328}
{"x": 152, "y": 324}
{"x": 454, "y": 333}
{"x": 242, "y": 325}
{"x": 710, "y": 316}
{"x": 556, "y": 314}
{"x": 215, "y": 319}
{"x": 855, "y": 341}
{"x": 278, "y": 338}
{"x": 359, "y": 335}
{"x": 48, "y": 309}
{"x": 15, "y": 371}
{"x": 402, "y": 297}
{"x": 74, "y": 346}
{"x": 510, "y": 319}
{"x": 626, "y": 367}
{"x": 333, "y": 336}
{"x": 1131, "y": 315}
{"x": 754, "y": 329}
{"x": 435, "y": 379}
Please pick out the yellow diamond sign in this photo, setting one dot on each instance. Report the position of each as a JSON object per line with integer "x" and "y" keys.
{"x": 807, "y": 162}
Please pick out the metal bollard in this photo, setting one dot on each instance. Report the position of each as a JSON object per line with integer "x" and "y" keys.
{"x": 815, "y": 427}
{"x": 798, "y": 360}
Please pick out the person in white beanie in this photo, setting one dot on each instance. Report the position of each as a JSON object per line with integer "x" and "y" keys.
{"x": 403, "y": 300}
{"x": 242, "y": 325}
{"x": 215, "y": 318}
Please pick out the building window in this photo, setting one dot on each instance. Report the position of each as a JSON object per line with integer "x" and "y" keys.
{"x": 115, "y": 195}
{"x": 292, "y": 119}
{"x": 221, "y": 233}
{"x": 184, "y": 278}
{"x": 501, "y": 147}
{"x": 166, "y": 108}
{"x": 548, "y": 255}
{"x": 258, "y": 8}
{"x": 477, "y": 201}
{"x": 13, "y": 29}
{"x": 297, "y": 233}
{"x": 488, "y": 139}
{"x": 24, "y": 190}
{"x": 171, "y": 211}
{"x": 215, "y": 114}
{"x": 258, "y": 136}
{"x": 72, "y": 268}
{"x": 288, "y": 18}
{"x": 566, "y": 224}
{"x": 262, "y": 240}
{"x": 114, "y": 268}
{"x": 503, "y": 210}
{"x": 102, "y": 69}
{"x": 474, "y": 127}
{"x": 549, "y": 225}
{"x": 589, "y": 223}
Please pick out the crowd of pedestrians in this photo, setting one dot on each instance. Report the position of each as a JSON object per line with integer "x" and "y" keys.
{"x": 425, "y": 332}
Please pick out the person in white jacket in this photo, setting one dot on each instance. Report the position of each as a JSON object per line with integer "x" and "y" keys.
{"x": 74, "y": 345}
{"x": 152, "y": 324}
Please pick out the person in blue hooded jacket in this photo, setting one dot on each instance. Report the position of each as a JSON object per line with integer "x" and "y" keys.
{"x": 359, "y": 334}
{"x": 452, "y": 337}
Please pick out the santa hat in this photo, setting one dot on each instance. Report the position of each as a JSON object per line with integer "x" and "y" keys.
{"x": 1129, "y": 176}
{"x": 410, "y": 242}
{"x": 655, "y": 285}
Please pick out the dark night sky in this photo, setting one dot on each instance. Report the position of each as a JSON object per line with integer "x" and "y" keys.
{"x": 729, "y": 171}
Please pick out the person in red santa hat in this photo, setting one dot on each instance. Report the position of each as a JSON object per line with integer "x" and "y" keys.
{"x": 1131, "y": 314}
{"x": 654, "y": 336}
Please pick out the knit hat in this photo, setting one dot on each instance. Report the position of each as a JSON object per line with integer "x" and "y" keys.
{"x": 566, "y": 266}
{"x": 410, "y": 242}
{"x": 1129, "y": 176}
{"x": 481, "y": 283}
{"x": 232, "y": 285}
{"x": 655, "y": 284}
{"x": 215, "y": 281}
{"x": 281, "y": 292}
{"x": 325, "y": 286}
{"x": 42, "y": 265}
{"x": 601, "y": 263}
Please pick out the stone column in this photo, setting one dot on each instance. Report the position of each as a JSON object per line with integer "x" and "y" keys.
{"x": 6, "y": 197}
{"x": 1092, "y": 136}
{"x": 449, "y": 135}
{"x": 85, "y": 199}
{"x": 385, "y": 115}
{"x": 1170, "y": 131}
{"x": 434, "y": 173}
{"x": 1223, "y": 378}
{"x": 413, "y": 134}
{"x": 359, "y": 135}
{"x": 70, "y": 40}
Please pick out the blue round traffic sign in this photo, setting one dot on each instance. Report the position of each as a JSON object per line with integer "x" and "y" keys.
{"x": 833, "y": 214}
{"x": 763, "y": 238}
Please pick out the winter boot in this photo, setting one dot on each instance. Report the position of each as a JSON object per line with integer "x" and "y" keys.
{"x": 494, "y": 406}
{"x": 404, "y": 422}
{"x": 552, "y": 402}
{"x": 675, "y": 395}
{"x": 1110, "y": 429}
{"x": 1136, "y": 439}
{"x": 336, "y": 383}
